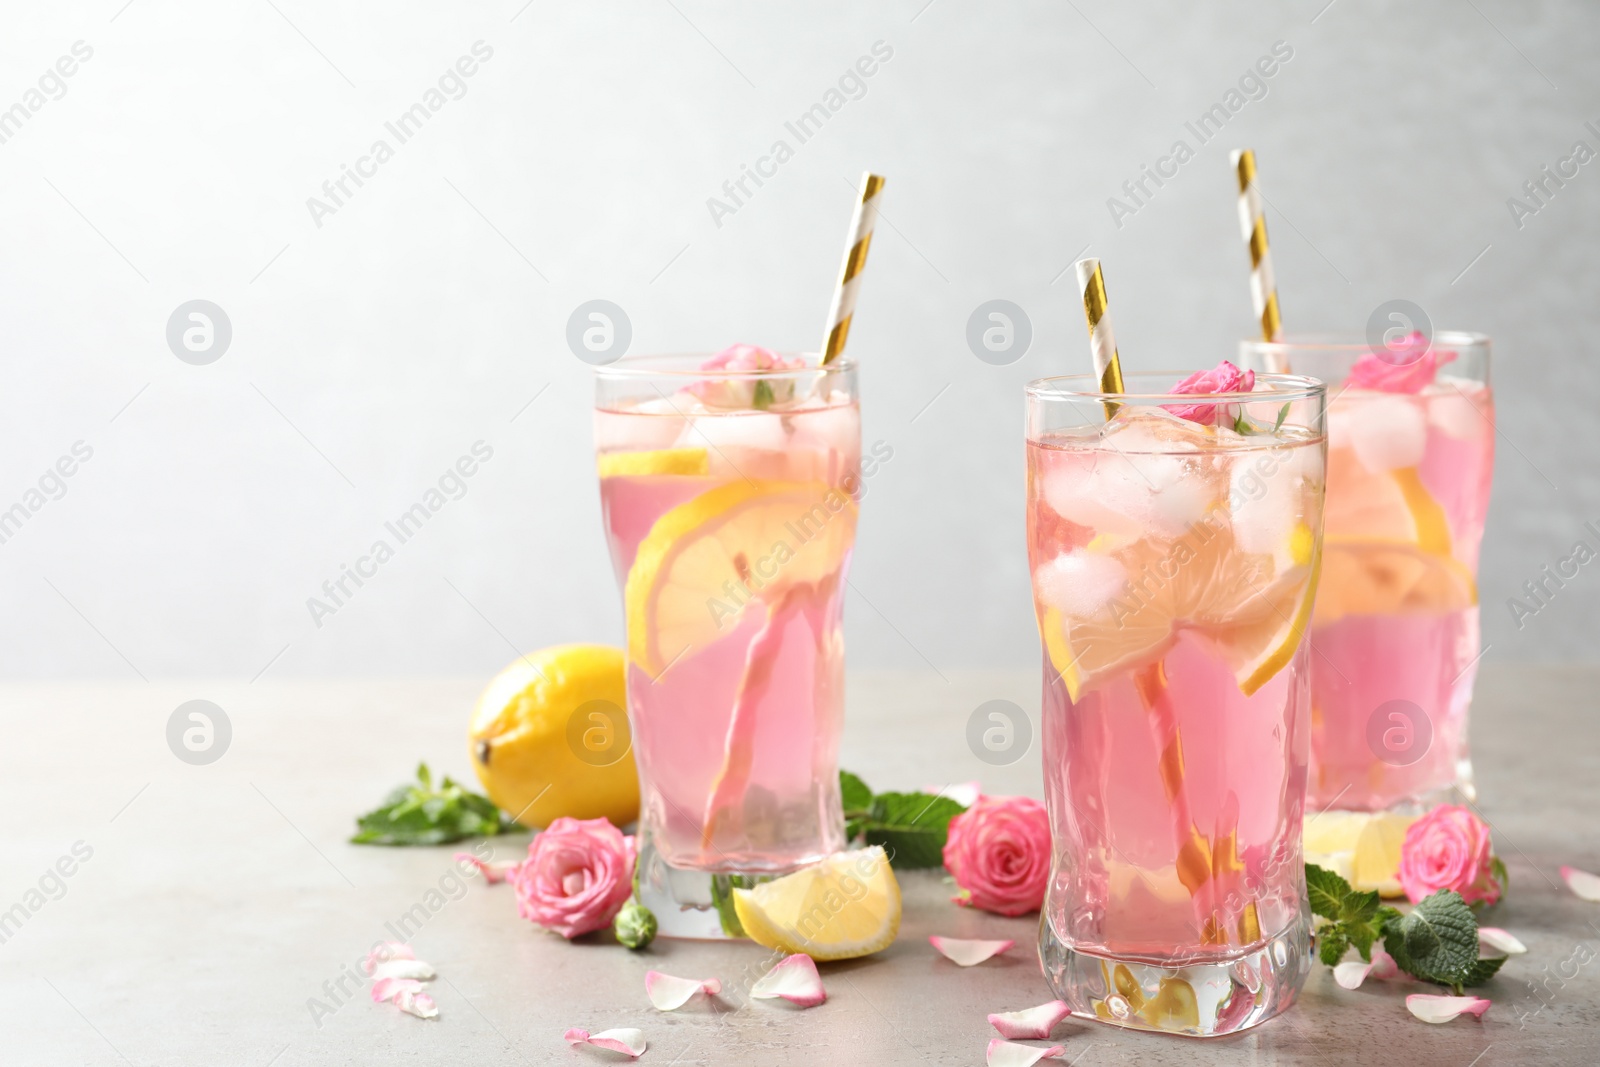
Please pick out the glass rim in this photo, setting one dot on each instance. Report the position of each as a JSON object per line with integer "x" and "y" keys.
{"x": 669, "y": 365}
{"x": 1331, "y": 341}
{"x": 1282, "y": 387}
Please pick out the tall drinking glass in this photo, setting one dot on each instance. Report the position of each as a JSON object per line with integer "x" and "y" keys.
{"x": 730, "y": 504}
{"x": 1173, "y": 546}
{"x": 1395, "y": 633}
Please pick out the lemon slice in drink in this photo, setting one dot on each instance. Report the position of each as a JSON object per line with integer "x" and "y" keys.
{"x": 846, "y": 906}
{"x": 704, "y": 559}
{"x": 691, "y": 461}
{"x": 1254, "y": 615}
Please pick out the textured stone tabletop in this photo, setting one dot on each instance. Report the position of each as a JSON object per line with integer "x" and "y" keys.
{"x": 217, "y": 901}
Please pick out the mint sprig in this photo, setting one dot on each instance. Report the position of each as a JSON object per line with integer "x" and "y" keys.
{"x": 421, "y": 813}
{"x": 911, "y": 827}
{"x": 1436, "y": 941}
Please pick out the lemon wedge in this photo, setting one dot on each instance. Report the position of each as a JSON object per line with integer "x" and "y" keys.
{"x": 846, "y": 906}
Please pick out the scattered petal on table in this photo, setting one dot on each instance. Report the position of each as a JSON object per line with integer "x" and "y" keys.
{"x": 419, "y": 1004}
{"x": 1351, "y": 974}
{"x": 399, "y": 968}
{"x": 669, "y": 992}
{"x": 387, "y": 950}
{"x": 1583, "y": 883}
{"x": 967, "y": 953}
{"x": 1031, "y": 1023}
{"x": 627, "y": 1041}
{"x": 492, "y": 872}
{"x": 795, "y": 979}
{"x": 1011, "y": 1054}
{"x": 1435, "y": 1009}
{"x": 1383, "y": 965}
{"x": 389, "y": 988}
{"x": 1501, "y": 940}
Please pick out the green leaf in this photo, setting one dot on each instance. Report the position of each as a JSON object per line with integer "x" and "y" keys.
{"x": 912, "y": 827}
{"x": 1481, "y": 971}
{"x": 761, "y": 398}
{"x": 1359, "y": 908}
{"x": 425, "y": 814}
{"x": 1362, "y": 935}
{"x": 1331, "y": 943}
{"x": 1283, "y": 413}
{"x": 1243, "y": 425}
{"x": 854, "y": 794}
{"x": 1437, "y": 941}
{"x": 1497, "y": 868}
{"x": 1327, "y": 891}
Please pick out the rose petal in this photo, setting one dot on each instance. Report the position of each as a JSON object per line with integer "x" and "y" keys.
{"x": 965, "y": 953}
{"x": 1030, "y": 1024}
{"x": 1583, "y": 883}
{"x": 1351, "y": 974}
{"x": 386, "y": 950}
{"x": 419, "y": 1004}
{"x": 390, "y": 988}
{"x": 795, "y": 979}
{"x": 1435, "y": 1009}
{"x": 669, "y": 992}
{"x": 1383, "y": 965}
{"x": 1009, "y": 1054}
{"x": 627, "y": 1041}
{"x": 1502, "y": 940}
{"x": 492, "y": 872}
{"x": 399, "y": 968}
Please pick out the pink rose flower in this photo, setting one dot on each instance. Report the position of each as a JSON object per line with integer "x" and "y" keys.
{"x": 1448, "y": 848}
{"x": 1408, "y": 366}
{"x": 1223, "y": 378}
{"x": 743, "y": 359}
{"x": 998, "y": 851}
{"x": 577, "y": 876}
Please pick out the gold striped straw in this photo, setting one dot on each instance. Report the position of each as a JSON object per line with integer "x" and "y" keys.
{"x": 855, "y": 261}
{"x": 1253, "y": 225}
{"x": 1102, "y": 340}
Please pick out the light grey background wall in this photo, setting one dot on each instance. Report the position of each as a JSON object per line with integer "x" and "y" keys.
{"x": 375, "y": 344}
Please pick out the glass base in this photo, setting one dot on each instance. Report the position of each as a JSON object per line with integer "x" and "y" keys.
{"x": 1206, "y": 999}
{"x": 691, "y": 903}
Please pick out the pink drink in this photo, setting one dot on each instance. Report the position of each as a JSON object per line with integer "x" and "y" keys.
{"x": 1173, "y": 568}
{"x": 1395, "y": 633}
{"x": 730, "y": 528}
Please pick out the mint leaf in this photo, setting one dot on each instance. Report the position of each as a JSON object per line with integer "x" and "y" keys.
{"x": 425, "y": 814}
{"x": 856, "y": 800}
{"x": 761, "y": 398}
{"x": 911, "y": 827}
{"x": 1331, "y": 943}
{"x": 1243, "y": 425}
{"x": 1358, "y": 908}
{"x": 1480, "y": 972}
{"x": 1436, "y": 941}
{"x": 1283, "y": 413}
{"x": 1327, "y": 891}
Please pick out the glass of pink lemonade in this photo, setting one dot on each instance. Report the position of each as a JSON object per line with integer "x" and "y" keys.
{"x": 1395, "y": 632}
{"x": 1173, "y": 542}
{"x": 729, "y": 487}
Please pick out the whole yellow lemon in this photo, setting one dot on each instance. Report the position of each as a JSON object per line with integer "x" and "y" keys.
{"x": 550, "y": 737}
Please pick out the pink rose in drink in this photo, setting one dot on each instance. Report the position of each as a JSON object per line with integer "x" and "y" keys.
{"x": 1449, "y": 848}
{"x": 1223, "y": 378}
{"x": 1408, "y": 366}
{"x": 731, "y": 393}
{"x": 578, "y": 874}
{"x": 998, "y": 851}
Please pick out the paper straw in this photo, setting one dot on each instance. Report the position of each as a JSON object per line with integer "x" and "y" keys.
{"x": 855, "y": 261}
{"x": 1253, "y": 226}
{"x": 1102, "y": 339}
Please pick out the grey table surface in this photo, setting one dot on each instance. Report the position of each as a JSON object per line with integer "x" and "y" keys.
{"x": 218, "y": 900}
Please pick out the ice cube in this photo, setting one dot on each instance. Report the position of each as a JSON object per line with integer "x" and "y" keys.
{"x": 1388, "y": 433}
{"x": 822, "y": 428}
{"x": 746, "y": 430}
{"x": 644, "y": 427}
{"x": 1080, "y": 582}
{"x": 1264, "y": 492}
{"x": 1460, "y": 414}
